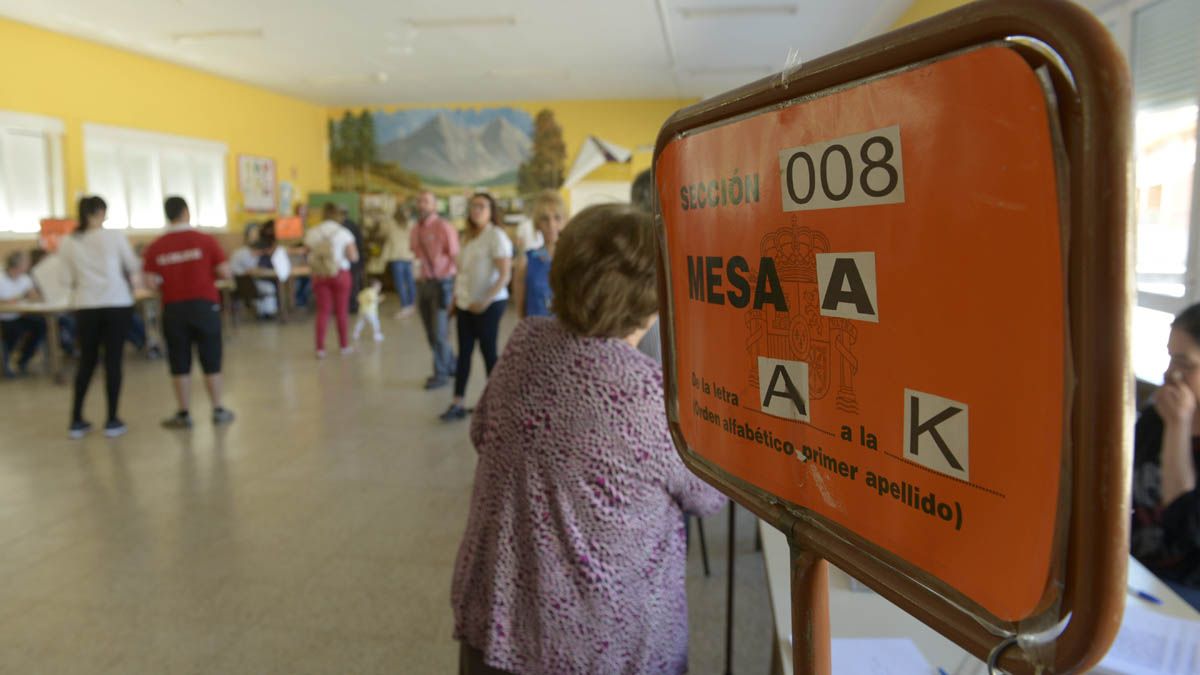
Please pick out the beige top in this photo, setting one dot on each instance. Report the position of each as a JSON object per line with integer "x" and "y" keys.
{"x": 397, "y": 246}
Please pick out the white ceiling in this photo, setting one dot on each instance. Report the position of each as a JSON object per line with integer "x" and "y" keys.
{"x": 359, "y": 52}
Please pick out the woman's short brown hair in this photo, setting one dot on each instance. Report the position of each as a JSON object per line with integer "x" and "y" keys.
{"x": 605, "y": 275}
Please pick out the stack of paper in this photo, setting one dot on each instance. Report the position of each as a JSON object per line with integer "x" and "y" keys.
{"x": 1150, "y": 643}
{"x": 876, "y": 656}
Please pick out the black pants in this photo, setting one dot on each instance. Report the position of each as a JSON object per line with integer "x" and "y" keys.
{"x": 107, "y": 327}
{"x": 192, "y": 322}
{"x": 30, "y": 329}
{"x": 485, "y": 328}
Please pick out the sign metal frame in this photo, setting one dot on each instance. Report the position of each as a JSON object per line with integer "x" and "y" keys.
{"x": 1092, "y": 99}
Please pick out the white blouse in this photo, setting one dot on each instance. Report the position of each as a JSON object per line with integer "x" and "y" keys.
{"x": 98, "y": 265}
{"x": 477, "y": 270}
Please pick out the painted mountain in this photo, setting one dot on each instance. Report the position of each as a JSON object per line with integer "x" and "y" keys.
{"x": 446, "y": 151}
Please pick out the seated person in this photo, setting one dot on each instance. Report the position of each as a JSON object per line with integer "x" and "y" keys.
{"x": 16, "y": 329}
{"x": 261, "y": 251}
{"x": 50, "y": 277}
{"x": 1166, "y": 452}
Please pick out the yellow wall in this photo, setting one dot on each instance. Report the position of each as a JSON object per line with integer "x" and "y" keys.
{"x": 79, "y": 82}
{"x": 628, "y": 123}
{"x": 923, "y": 9}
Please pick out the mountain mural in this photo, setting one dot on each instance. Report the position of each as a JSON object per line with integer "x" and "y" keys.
{"x": 444, "y": 150}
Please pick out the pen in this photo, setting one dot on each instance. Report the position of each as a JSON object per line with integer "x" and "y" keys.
{"x": 1144, "y": 596}
{"x": 942, "y": 671}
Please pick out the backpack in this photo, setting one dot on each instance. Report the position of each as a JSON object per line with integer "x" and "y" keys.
{"x": 321, "y": 259}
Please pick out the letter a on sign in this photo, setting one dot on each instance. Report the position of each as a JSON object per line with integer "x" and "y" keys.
{"x": 783, "y": 388}
{"x": 935, "y": 434}
{"x": 846, "y": 282}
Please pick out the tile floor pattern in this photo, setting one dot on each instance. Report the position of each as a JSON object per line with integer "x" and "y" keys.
{"x": 315, "y": 535}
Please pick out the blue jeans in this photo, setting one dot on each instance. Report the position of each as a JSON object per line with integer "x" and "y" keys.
{"x": 402, "y": 278}
{"x": 434, "y": 298}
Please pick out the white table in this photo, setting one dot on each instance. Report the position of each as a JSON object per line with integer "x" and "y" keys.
{"x": 857, "y": 614}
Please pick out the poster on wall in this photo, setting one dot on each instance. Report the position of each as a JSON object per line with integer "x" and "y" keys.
{"x": 286, "y": 195}
{"x": 256, "y": 178}
{"x": 451, "y": 151}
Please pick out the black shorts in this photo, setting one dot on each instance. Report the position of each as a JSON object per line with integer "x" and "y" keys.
{"x": 191, "y": 322}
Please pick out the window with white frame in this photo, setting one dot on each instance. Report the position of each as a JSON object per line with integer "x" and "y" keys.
{"x": 134, "y": 171}
{"x": 1161, "y": 39}
{"x": 31, "y": 171}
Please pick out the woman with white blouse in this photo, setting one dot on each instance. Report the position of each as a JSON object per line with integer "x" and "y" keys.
{"x": 100, "y": 267}
{"x": 480, "y": 293}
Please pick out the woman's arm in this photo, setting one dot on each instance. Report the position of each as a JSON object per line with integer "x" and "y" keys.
{"x": 1176, "y": 405}
{"x": 129, "y": 261}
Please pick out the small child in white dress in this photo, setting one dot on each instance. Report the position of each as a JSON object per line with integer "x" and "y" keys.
{"x": 368, "y": 310}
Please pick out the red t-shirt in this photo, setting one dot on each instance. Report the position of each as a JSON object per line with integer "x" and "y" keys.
{"x": 186, "y": 260}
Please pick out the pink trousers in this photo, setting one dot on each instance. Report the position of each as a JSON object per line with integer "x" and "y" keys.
{"x": 333, "y": 295}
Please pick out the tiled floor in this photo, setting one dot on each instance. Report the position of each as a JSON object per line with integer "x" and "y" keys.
{"x": 314, "y": 535}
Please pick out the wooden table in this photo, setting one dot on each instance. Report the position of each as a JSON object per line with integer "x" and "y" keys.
{"x": 143, "y": 299}
{"x": 864, "y": 614}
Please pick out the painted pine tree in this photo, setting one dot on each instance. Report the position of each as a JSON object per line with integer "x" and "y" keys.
{"x": 547, "y": 161}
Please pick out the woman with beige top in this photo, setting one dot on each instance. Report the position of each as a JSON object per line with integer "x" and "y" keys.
{"x": 397, "y": 251}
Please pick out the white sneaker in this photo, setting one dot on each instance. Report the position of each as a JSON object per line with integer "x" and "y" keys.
{"x": 320, "y": 353}
{"x": 379, "y": 337}
{"x": 346, "y": 351}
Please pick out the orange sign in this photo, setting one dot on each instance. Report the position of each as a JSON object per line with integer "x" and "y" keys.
{"x": 54, "y": 229}
{"x": 289, "y": 228}
{"x": 868, "y": 314}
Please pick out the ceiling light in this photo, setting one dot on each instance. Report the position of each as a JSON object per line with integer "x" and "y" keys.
{"x": 464, "y": 22}
{"x": 247, "y": 33}
{"x": 724, "y": 11}
{"x": 336, "y": 80}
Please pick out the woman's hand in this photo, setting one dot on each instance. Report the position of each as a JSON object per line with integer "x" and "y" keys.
{"x": 477, "y": 307}
{"x": 1176, "y": 405}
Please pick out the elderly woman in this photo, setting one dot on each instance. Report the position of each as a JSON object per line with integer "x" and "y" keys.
{"x": 573, "y": 556}
{"x": 1166, "y": 503}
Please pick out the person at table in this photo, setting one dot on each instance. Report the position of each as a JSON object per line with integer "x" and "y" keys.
{"x": 100, "y": 266}
{"x": 434, "y": 243}
{"x": 574, "y": 550}
{"x": 262, "y": 252}
{"x": 531, "y": 280}
{"x": 1166, "y": 504}
{"x": 480, "y": 294}
{"x": 244, "y": 258}
{"x": 397, "y": 251}
{"x": 184, "y": 264}
{"x": 19, "y": 330}
{"x": 331, "y": 252}
{"x": 50, "y": 278}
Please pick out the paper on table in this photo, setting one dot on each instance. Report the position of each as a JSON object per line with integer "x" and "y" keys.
{"x": 878, "y": 656}
{"x": 1152, "y": 643}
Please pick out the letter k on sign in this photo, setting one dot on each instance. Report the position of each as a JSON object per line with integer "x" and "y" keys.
{"x": 936, "y": 434}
